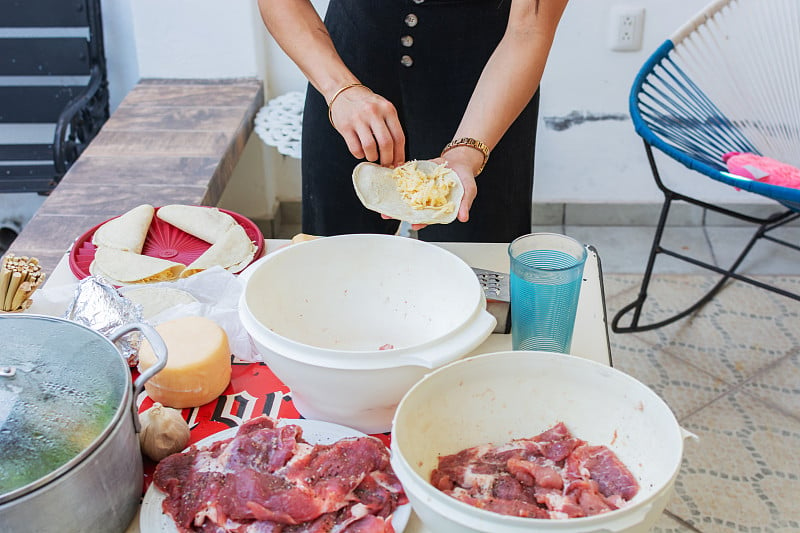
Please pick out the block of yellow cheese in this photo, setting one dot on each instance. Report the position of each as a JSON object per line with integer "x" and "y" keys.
{"x": 198, "y": 363}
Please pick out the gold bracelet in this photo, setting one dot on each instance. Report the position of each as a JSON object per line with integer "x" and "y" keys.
{"x": 472, "y": 143}
{"x": 336, "y": 95}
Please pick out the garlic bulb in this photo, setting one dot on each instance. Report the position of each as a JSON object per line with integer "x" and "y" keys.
{"x": 164, "y": 432}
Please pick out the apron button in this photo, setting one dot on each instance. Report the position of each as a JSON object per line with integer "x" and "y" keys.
{"x": 406, "y": 61}
{"x": 411, "y": 20}
{"x": 407, "y": 41}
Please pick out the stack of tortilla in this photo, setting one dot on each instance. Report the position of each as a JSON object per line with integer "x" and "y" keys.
{"x": 230, "y": 248}
{"x": 120, "y": 241}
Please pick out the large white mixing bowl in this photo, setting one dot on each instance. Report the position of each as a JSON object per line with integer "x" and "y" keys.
{"x": 351, "y": 322}
{"x": 498, "y": 397}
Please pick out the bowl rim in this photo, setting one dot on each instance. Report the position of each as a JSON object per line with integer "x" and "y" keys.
{"x": 432, "y": 494}
{"x": 297, "y": 347}
{"x": 473, "y": 333}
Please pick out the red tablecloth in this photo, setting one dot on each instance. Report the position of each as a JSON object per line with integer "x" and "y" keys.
{"x": 254, "y": 390}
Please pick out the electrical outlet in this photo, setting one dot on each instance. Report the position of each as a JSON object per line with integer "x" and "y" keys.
{"x": 626, "y": 25}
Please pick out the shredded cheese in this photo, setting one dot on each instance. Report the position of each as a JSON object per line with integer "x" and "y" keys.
{"x": 424, "y": 191}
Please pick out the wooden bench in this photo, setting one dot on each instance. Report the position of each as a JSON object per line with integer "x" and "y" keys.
{"x": 169, "y": 141}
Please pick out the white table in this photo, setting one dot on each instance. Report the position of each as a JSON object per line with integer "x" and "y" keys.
{"x": 590, "y": 339}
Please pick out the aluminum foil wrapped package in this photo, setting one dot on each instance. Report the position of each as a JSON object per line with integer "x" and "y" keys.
{"x": 98, "y": 305}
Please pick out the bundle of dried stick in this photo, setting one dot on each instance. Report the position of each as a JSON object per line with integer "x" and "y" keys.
{"x": 20, "y": 277}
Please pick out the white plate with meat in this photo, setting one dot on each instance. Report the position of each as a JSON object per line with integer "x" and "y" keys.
{"x": 153, "y": 519}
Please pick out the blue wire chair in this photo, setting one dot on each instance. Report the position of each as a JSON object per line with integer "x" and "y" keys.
{"x": 727, "y": 81}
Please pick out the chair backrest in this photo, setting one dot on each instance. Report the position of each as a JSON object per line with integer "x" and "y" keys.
{"x": 727, "y": 81}
{"x": 51, "y": 52}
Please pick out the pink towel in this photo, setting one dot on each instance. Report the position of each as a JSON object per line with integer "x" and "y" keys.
{"x": 764, "y": 169}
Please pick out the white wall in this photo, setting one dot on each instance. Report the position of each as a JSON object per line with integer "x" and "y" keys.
{"x": 601, "y": 159}
{"x": 187, "y": 39}
{"x": 120, "y": 45}
{"x": 197, "y": 38}
{"x": 597, "y": 159}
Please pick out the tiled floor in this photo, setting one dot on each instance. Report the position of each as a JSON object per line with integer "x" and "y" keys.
{"x": 730, "y": 372}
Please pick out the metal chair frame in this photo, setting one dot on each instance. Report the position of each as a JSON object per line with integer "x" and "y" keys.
{"x": 675, "y": 115}
{"x": 64, "y": 84}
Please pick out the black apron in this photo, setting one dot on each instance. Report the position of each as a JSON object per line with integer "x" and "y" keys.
{"x": 425, "y": 57}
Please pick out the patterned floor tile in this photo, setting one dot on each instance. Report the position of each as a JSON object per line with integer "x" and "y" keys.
{"x": 737, "y": 334}
{"x": 618, "y": 284}
{"x": 683, "y": 387}
{"x": 667, "y": 295}
{"x": 743, "y": 474}
{"x": 669, "y": 524}
{"x": 779, "y": 385}
{"x": 731, "y": 373}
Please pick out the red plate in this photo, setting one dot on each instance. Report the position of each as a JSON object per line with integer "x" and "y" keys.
{"x": 164, "y": 241}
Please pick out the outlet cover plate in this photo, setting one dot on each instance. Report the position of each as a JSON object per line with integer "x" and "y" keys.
{"x": 625, "y": 28}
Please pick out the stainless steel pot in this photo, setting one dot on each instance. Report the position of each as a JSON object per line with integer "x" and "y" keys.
{"x": 69, "y": 454}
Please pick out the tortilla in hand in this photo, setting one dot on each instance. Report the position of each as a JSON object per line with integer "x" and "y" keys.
{"x": 126, "y": 232}
{"x": 233, "y": 251}
{"x": 206, "y": 223}
{"x": 418, "y": 192}
{"x": 122, "y": 267}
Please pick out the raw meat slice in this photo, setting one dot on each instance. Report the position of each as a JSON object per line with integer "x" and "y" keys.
{"x": 551, "y": 475}
{"x": 606, "y": 469}
{"x": 267, "y": 479}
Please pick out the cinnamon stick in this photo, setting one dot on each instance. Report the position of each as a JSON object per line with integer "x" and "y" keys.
{"x": 13, "y": 285}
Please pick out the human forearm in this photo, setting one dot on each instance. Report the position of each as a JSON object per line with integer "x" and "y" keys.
{"x": 367, "y": 121}
{"x": 297, "y": 28}
{"x": 512, "y": 74}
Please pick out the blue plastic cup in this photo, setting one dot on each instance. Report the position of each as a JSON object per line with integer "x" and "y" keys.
{"x": 546, "y": 275}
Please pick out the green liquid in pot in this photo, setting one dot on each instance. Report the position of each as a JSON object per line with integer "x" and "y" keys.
{"x": 65, "y": 386}
{"x": 49, "y": 442}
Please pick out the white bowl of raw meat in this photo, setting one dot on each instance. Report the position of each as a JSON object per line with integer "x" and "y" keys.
{"x": 349, "y": 323}
{"x": 514, "y": 441}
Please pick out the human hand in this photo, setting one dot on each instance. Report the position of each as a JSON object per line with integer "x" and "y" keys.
{"x": 462, "y": 161}
{"x": 465, "y": 169}
{"x": 369, "y": 125}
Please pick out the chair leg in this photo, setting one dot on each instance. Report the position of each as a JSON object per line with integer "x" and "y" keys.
{"x": 637, "y": 305}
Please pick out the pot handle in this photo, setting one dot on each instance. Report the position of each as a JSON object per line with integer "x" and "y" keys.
{"x": 160, "y": 351}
